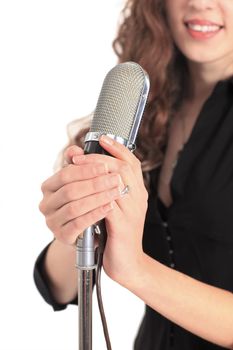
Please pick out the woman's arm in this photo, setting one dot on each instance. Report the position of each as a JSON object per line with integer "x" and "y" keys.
{"x": 80, "y": 196}
{"x": 60, "y": 271}
{"x": 74, "y": 198}
{"x": 202, "y": 309}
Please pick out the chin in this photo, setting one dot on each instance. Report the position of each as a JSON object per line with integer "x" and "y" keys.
{"x": 201, "y": 59}
{"x": 201, "y": 56}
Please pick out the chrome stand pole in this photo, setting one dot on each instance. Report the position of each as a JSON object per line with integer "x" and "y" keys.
{"x": 85, "y": 263}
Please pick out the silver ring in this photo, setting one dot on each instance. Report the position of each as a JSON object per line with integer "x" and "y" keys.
{"x": 125, "y": 190}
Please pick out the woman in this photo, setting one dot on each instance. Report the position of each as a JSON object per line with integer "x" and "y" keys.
{"x": 183, "y": 271}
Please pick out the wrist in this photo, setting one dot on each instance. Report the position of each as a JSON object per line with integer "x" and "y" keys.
{"x": 137, "y": 278}
{"x": 58, "y": 244}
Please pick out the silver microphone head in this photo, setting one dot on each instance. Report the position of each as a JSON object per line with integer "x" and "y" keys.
{"x": 120, "y": 104}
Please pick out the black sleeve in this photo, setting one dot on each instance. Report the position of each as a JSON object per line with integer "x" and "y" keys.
{"x": 42, "y": 285}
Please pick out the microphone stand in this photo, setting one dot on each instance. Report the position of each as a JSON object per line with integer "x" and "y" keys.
{"x": 85, "y": 263}
{"x": 107, "y": 120}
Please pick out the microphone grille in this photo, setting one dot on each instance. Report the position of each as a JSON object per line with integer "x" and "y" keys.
{"x": 118, "y": 101}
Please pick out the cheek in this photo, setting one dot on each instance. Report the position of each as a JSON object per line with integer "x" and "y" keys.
{"x": 226, "y": 10}
{"x": 174, "y": 10}
{"x": 176, "y": 28}
{"x": 227, "y": 15}
{"x": 228, "y": 19}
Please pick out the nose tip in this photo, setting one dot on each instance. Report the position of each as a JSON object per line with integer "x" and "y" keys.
{"x": 201, "y": 4}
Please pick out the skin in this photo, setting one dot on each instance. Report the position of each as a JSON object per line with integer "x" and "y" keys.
{"x": 83, "y": 192}
{"x": 209, "y": 60}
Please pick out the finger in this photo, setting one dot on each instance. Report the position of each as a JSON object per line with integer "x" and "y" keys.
{"x": 71, "y": 151}
{"x": 113, "y": 165}
{"x": 71, "y": 174}
{"x": 118, "y": 150}
{"x": 130, "y": 176}
{"x": 119, "y": 153}
{"x": 80, "y": 189}
{"x": 69, "y": 232}
{"x": 76, "y": 209}
{"x": 134, "y": 199}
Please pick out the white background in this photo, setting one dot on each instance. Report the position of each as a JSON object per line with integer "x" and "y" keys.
{"x": 53, "y": 57}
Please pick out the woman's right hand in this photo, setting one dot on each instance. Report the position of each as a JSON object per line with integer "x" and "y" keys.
{"x": 77, "y": 196}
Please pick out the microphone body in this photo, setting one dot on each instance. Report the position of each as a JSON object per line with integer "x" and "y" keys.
{"x": 118, "y": 114}
{"x": 119, "y": 107}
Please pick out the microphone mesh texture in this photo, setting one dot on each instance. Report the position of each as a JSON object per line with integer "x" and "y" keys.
{"x": 118, "y": 100}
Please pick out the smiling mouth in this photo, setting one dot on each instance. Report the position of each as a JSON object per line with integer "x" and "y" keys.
{"x": 203, "y": 27}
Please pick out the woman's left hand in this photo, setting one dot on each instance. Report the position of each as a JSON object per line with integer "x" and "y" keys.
{"x": 123, "y": 252}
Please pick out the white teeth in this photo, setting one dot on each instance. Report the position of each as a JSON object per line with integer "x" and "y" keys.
{"x": 203, "y": 29}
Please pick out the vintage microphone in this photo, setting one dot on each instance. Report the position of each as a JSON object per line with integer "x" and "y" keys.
{"x": 118, "y": 114}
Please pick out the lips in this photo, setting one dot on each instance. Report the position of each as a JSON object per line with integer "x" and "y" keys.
{"x": 202, "y": 29}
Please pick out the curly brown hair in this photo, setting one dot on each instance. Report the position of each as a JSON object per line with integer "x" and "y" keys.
{"x": 144, "y": 37}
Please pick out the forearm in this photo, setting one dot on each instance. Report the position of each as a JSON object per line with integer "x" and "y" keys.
{"x": 61, "y": 273}
{"x": 201, "y": 309}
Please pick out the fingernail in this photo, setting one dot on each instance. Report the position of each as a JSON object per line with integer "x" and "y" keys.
{"x": 106, "y": 140}
{"x": 78, "y": 159}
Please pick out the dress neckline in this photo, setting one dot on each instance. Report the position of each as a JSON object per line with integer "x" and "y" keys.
{"x": 185, "y": 155}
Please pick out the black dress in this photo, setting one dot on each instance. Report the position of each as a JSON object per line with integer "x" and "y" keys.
{"x": 195, "y": 235}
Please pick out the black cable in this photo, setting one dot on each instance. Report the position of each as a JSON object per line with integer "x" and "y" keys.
{"x": 99, "y": 255}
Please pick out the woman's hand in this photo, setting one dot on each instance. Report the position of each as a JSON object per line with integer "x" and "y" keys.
{"x": 88, "y": 189}
{"x": 123, "y": 252}
{"x": 77, "y": 196}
